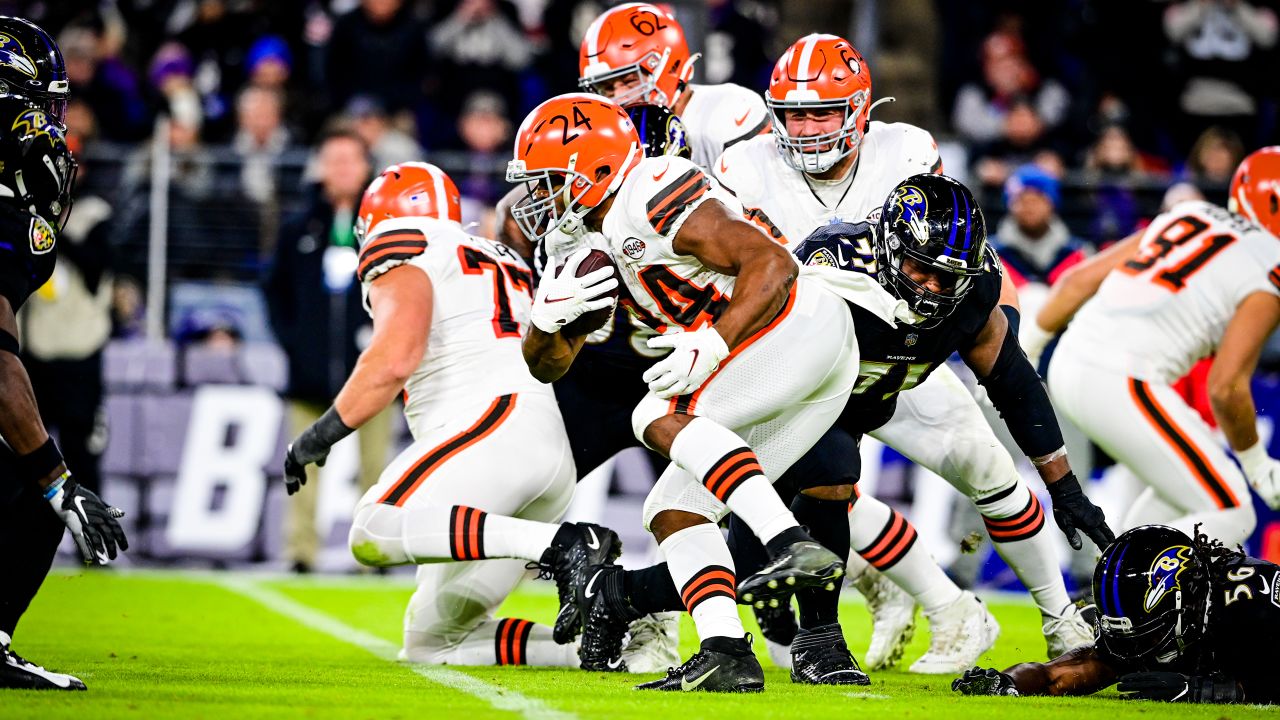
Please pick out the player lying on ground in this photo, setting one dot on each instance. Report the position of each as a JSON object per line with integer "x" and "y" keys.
{"x": 489, "y": 474}
{"x": 926, "y": 221}
{"x": 1180, "y": 620}
{"x": 1199, "y": 280}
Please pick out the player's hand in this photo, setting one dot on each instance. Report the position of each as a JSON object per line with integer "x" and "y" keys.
{"x": 1033, "y": 340}
{"x": 564, "y": 297}
{"x": 694, "y": 356}
{"x": 301, "y": 453}
{"x": 93, "y": 524}
{"x": 984, "y": 681}
{"x": 1072, "y": 510}
{"x": 1263, "y": 473}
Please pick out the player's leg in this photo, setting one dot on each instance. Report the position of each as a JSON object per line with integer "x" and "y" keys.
{"x": 301, "y": 542}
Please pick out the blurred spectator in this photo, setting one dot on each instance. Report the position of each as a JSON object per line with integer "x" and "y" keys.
{"x": 269, "y": 64}
{"x": 737, "y": 42}
{"x": 128, "y": 309}
{"x": 316, "y": 312}
{"x": 480, "y": 45}
{"x": 1222, "y": 47}
{"x": 1113, "y": 156}
{"x": 990, "y": 112}
{"x": 1033, "y": 242}
{"x": 171, "y": 77}
{"x": 565, "y": 23}
{"x": 111, "y": 88}
{"x": 485, "y": 132}
{"x": 388, "y": 145}
{"x": 1214, "y": 157}
{"x": 259, "y": 141}
{"x": 377, "y": 49}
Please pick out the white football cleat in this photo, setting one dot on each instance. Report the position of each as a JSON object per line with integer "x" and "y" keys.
{"x": 654, "y": 643}
{"x": 1066, "y": 631}
{"x": 960, "y": 633}
{"x": 893, "y": 618}
{"x": 780, "y": 654}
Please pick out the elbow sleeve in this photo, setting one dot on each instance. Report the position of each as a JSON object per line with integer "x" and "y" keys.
{"x": 1022, "y": 400}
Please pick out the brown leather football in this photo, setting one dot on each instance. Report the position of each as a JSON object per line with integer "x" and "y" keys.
{"x": 592, "y": 321}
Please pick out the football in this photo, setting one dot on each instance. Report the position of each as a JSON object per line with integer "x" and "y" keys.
{"x": 592, "y": 321}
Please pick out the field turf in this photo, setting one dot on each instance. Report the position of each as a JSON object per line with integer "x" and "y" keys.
{"x": 232, "y": 645}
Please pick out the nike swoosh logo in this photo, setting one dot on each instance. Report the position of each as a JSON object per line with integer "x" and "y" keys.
{"x": 664, "y": 172}
{"x": 594, "y": 542}
{"x": 614, "y": 664}
{"x": 556, "y": 300}
{"x": 723, "y": 168}
{"x": 79, "y": 502}
{"x": 694, "y": 362}
{"x": 742, "y": 119}
{"x": 687, "y": 686}
{"x": 590, "y": 591}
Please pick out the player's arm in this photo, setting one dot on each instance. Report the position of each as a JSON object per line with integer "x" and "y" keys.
{"x": 549, "y": 355}
{"x": 1254, "y": 320}
{"x": 506, "y": 229}
{"x": 400, "y": 300}
{"x": 1018, "y": 394}
{"x": 561, "y": 298}
{"x": 1082, "y": 671}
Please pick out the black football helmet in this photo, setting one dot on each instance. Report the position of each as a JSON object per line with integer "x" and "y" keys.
{"x": 934, "y": 221}
{"x": 661, "y": 131}
{"x": 31, "y": 66}
{"x": 1152, "y": 590}
{"x": 36, "y": 167}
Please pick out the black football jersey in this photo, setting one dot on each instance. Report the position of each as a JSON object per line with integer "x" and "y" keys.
{"x": 26, "y": 254}
{"x": 894, "y": 359}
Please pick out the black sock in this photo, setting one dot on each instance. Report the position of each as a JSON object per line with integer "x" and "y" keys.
{"x": 29, "y": 536}
{"x": 651, "y": 590}
{"x": 748, "y": 552}
{"x": 786, "y": 538}
{"x": 828, "y": 523}
{"x": 728, "y": 645}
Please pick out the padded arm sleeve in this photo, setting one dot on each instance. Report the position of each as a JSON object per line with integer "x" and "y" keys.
{"x": 1016, "y": 391}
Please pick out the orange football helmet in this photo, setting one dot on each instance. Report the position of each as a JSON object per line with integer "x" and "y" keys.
{"x": 411, "y": 189}
{"x": 1255, "y": 189}
{"x": 576, "y": 148}
{"x": 637, "y": 38}
{"x": 820, "y": 71}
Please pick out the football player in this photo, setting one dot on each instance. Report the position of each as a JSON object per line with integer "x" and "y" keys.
{"x": 1179, "y": 620}
{"x": 1199, "y": 280}
{"x": 448, "y": 312}
{"x": 748, "y": 384}
{"x": 31, "y": 67}
{"x": 39, "y": 497}
{"x": 827, "y": 161}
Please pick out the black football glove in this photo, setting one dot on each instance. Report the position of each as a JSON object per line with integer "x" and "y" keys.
{"x": 1176, "y": 687}
{"x": 984, "y": 681}
{"x": 312, "y": 446}
{"x": 1072, "y": 510}
{"x": 93, "y": 524}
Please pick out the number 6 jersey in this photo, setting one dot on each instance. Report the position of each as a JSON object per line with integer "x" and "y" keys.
{"x": 481, "y": 293}
{"x": 1168, "y": 306}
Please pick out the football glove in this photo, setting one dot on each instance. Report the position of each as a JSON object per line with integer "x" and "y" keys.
{"x": 312, "y": 446}
{"x": 1175, "y": 687}
{"x": 694, "y": 356}
{"x": 564, "y": 297}
{"x": 1072, "y": 510}
{"x": 1263, "y": 473}
{"x": 984, "y": 681}
{"x": 93, "y": 524}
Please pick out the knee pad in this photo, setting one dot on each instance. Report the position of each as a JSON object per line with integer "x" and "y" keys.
{"x": 1004, "y": 501}
{"x": 977, "y": 465}
{"x": 676, "y": 489}
{"x": 376, "y": 537}
{"x": 650, "y": 408}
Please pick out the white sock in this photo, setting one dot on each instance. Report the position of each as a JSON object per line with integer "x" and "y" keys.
{"x": 509, "y": 641}
{"x": 702, "y": 568}
{"x": 1016, "y": 523}
{"x": 886, "y": 541}
{"x": 388, "y": 535}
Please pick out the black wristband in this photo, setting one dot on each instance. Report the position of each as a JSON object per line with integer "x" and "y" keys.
{"x": 1064, "y": 487}
{"x": 9, "y": 343}
{"x": 1215, "y": 689}
{"x": 39, "y": 463}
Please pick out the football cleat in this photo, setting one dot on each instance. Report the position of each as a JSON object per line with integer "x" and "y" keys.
{"x": 779, "y": 628}
{"x": 802, "y": 564}
{"x": 654, "y": 643}
{"x": 893, "y": 619}
{"x": 20, "y": 674}
{"x": 821, "y": 657}
{"x": 1066, "y": 631}
{"x": 608, "y": 616}
{"x": 961, "y": 632}
{"x": 567, "y": 562}
{"x": 722, "y": 665}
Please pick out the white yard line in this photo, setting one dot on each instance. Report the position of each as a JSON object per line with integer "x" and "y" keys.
{"x": 498, "y": 697}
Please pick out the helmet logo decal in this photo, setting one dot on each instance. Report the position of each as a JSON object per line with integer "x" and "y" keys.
{"x": 42, "y": 236}
{"x": 1164, "y": 576}
{"x": 914, "y": 208}
{"x": 36, "y": 123}
{"x": 13, "y": 55}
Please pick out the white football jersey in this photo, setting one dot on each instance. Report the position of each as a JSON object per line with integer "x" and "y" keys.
{"x": 782, "y": 201}
{"x": 720, "y": 116}
{"x": 1167, "y": 307}
{"x": 670, "y": 289}
{"x": 481, "y": 295}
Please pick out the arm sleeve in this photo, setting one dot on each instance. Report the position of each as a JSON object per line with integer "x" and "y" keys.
{"x": 1017, "y": 393}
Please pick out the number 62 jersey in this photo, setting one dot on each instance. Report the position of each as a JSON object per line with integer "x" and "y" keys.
{"x": 1168, "y": 307}
{"x": 481, "y": 297}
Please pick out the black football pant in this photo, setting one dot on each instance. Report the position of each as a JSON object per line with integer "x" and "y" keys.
{"x": 29, "y": 536}
{"x": 69, "y": 393}
{"x": 596, "y": 400}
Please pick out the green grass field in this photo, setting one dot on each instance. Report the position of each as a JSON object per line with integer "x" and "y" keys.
{"x": 152, "y": 645}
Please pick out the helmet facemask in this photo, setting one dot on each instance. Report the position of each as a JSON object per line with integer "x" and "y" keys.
{"x": 933, "y": 306}
{"x": 807, "y": 154}
{"x": 648, "y": 69}
{"x": 537, "y": 213}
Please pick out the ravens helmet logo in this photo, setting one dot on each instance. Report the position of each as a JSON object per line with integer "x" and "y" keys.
{"x": 35, "y": 123}
{"x": 13, "y": 55}
{"x": 914, "y": 208}
{"x": 1164, "y": 575}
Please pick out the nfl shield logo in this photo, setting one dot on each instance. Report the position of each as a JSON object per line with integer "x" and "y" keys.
{"x": 912, "y": 339}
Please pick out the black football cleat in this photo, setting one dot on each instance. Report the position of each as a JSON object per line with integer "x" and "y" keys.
{"x": 575, "y": 548}
{"x": 722, "y": 665}
{"x": 607, "y": 616}
{"x": 821, "y": 657}
{"x": 19, "y": 674}
{"x": 800, "y": 565}
{"x": 777, "y": 621}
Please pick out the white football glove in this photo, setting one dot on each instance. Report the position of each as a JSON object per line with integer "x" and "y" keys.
{"x": 564, "y": 297}
{"x": 1263, "y": 473}
{"x": 694, "y": 356}
{"x": 1033, "y": 340}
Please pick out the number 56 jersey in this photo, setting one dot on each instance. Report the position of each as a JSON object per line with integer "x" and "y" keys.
{"x": 481, "y": 294}
{"x": 1168, "y": 306}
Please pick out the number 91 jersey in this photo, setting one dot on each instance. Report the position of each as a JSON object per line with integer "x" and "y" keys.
{"x": 481, "y": 294}
{"x": 1168, "y": 306}
{"x": 669, "y": 290}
